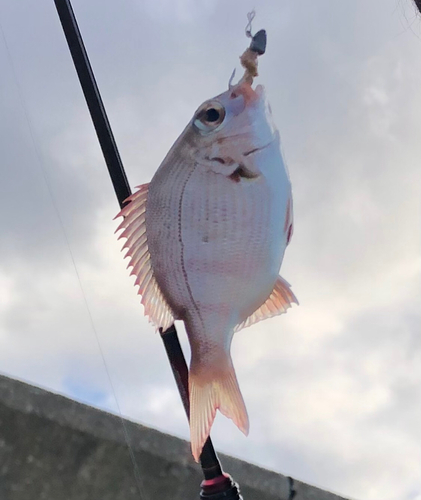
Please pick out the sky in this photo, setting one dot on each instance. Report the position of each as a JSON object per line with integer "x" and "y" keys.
{"x": 333, "y": 387}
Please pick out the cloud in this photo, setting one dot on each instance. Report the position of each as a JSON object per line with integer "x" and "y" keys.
{"x": 333, "y": 387}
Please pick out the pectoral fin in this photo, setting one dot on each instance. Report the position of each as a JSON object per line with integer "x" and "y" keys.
{"x": 278, "y": 302}
{"x": 134, "y": 225}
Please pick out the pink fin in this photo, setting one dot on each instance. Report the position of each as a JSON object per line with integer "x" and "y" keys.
{"x": 208, "y": 394}
{"x": 134, "y": 225}
{"x": 279, "y": 302}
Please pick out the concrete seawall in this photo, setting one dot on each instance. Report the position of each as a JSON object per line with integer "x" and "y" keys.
{"x": 54, "y": 448}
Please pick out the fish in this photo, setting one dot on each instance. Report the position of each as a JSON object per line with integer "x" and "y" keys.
{"x": 206, "y": 239}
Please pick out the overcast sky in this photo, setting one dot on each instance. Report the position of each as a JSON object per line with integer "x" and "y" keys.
{"x": 333, "y": 388}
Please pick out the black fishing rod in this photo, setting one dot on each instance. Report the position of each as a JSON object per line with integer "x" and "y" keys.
{"x": 216, "y": 485}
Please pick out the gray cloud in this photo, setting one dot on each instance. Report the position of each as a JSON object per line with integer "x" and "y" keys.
{"x": 333, "y": 387}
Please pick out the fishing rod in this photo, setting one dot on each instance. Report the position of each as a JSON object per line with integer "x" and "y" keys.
{"x": 217, "y": 485}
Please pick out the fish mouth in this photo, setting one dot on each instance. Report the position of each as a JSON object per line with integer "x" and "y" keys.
{"x": 260, "y": 91}
{"x": 245, "y": 90}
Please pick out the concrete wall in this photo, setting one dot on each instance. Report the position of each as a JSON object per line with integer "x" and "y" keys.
{"x": 53, "y": 448}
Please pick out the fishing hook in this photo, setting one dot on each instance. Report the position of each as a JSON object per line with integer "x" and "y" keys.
{"x": 230, "y": 84}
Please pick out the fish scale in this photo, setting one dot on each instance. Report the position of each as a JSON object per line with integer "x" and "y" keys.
{"x": 229, "y": 246}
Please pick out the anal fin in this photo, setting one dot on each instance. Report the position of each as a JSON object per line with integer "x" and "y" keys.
{"x": 279, "y": 301}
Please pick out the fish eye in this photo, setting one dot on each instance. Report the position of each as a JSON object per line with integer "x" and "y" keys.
{"x": 210, "y": 116}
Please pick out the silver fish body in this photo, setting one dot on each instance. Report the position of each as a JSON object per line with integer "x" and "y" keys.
{"x": 215, "y": 221}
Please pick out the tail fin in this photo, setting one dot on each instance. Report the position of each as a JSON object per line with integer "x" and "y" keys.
{"x": 208, "y": 393}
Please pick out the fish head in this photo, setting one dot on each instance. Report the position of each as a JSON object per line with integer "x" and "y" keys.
{"x": 229, "y": 129}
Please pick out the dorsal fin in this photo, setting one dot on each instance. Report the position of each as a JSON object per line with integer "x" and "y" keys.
{"x": 278, "y": 302}
{"x": 134, "y": 225}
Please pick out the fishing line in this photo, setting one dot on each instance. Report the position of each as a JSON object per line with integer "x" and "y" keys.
{"x": 136, "y": 471}
{"x": 250, "y": 16}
